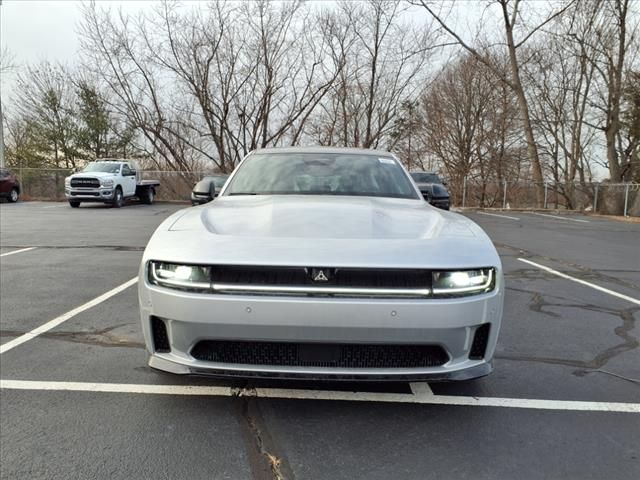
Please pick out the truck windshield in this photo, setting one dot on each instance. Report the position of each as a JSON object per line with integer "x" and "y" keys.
{"x": 321, "y": 174}
{"x": 107, "y": 167}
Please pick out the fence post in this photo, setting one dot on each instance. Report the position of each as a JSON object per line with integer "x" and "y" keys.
{"x": 464, "y": 191}
{"x": 595, "y": 199}
{"x": 626, "y": 198}
{"x": 545, "y": 195}
{"x": 504, "y": 195}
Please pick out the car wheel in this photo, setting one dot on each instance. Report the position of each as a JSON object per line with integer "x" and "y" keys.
{"x": 74, "y": 204}
{"x": 148, "y": 196}
{"x": 118, "y": 198}
{"x": 13, "y": 195}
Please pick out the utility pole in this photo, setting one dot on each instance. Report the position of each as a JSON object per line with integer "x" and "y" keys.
{"x": 1, "y": 116}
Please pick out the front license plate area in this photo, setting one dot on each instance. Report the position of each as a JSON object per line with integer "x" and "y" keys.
{"x": 310, "y": 353}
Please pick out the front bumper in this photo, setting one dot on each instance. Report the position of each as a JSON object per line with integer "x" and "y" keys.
{"x": 102, "y": 194}
{"x": 442, "y": 203}
{"x": 192, "y": 317}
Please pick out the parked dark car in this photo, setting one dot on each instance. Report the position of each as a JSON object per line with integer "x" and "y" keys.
{"x": 9, "y": 185}
{"x": 432, "y": 188}
{"x": 207, "y": 189}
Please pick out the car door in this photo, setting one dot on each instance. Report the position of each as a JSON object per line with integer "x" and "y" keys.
{"x": 128, "y": 180}
{"x": 5, "y": 181}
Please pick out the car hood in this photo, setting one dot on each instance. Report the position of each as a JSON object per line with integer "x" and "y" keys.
{"x": 435, "y": 189}
{"x": 321, "y": 230}
{"x": 293, "y": 216}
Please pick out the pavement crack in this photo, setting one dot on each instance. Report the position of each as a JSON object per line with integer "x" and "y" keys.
{"x": 265, "y": 461}
{"x": 102, "y": 338}
{"x": 600, "y": 359}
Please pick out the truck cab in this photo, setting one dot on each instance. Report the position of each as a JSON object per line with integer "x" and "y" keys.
{"x": 109, "y": 181}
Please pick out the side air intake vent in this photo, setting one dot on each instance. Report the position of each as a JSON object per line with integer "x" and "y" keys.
{"x": 480, "y": 340}
{"x": 160, "y": 337}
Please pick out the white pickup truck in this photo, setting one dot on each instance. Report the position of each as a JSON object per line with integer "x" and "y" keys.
{"x": 109, "y": 181}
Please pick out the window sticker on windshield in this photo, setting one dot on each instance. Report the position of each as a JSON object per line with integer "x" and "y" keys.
{"x": 387, "y": 160}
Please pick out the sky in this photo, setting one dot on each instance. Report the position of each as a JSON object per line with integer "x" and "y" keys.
{"x": 33, "y": 31}
{"x": 36, "y": 30}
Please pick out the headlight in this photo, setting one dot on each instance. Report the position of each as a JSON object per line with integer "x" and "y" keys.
{"x": 106, "y": 183}
{"x": 464, "y": 282}
{"x": 67, "y": 182}
{"x": 183, "y": 277}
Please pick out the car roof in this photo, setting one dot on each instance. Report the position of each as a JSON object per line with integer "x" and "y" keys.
{"x": 321, "y": 149}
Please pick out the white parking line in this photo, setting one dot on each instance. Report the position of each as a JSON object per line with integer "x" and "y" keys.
{"x": 496, "y": 215}
{"x": 17, "y": 251}
{"x": 64, "y": 317}
{"x": 421, "y": 398}
{"x": 560, "y": 218}
{"x": 581, "y": 282}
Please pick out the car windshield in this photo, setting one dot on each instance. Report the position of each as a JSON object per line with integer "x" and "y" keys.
{"x": 321, "y": 174}
{"x": 106, "y": 167}
{"x": 421, "y": 177}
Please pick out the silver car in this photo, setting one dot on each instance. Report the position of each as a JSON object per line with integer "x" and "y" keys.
{"x": 321, "y": 263}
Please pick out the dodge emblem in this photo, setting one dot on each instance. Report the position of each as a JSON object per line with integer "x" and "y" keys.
{"x": 319, "y": 275}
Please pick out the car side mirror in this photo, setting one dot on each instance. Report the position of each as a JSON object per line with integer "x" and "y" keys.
{"x": 212, "y": 191}
{"x": 444, "y": 183}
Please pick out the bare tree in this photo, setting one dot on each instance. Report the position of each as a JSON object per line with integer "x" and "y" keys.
{"x": 512, "y": 21}
{"x": 469, "y": 126}
{"x": 244, "y": 76}
{"x": 560, "y": 81}
{"x": 115, "y": 52}
{"x": 613, "y": 42}
{"x": 385, "y": 59}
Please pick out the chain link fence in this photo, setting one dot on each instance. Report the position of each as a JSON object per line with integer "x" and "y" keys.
{"x": 596, "y": 197}
{"x": 605, "y": 198}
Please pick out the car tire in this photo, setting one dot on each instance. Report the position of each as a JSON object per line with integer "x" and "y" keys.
{"x": 14, "y": 194}
{"x": 148, "y": 196}
{"x": 118, "y": 198}
{"x": 74, "y": 204}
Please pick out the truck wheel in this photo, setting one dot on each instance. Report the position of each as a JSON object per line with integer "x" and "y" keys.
{"x": 118, "y": 198}
{"x": 147, "y": 197}
{"x": 74, "y": 204}
{"x": 13, "y": 195}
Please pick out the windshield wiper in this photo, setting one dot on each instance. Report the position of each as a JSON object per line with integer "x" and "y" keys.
{"x": 245, "y": 193}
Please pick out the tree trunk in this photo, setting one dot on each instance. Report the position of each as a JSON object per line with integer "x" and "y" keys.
{"x": 532, "y": 148}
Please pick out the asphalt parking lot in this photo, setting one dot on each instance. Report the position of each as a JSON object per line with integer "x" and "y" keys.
{"x": 78, "y": 401}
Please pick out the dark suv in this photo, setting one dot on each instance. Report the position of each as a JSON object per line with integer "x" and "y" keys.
{"x": 9, "y": 186}
{"x": 432, "y": 188}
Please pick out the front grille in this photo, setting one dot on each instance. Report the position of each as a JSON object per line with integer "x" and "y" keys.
{"x": 85, "y": 194}
{"x": 480, "y": 340}
{"x": 85, "y": 182}
{"x": 336, "y": 277}
{"x": 288, "y": 354}
{"x": 159, "y": 334}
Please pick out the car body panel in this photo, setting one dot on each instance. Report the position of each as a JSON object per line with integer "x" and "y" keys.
{"x": 329, "y": 231}
{"x": 8, "y": 182}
